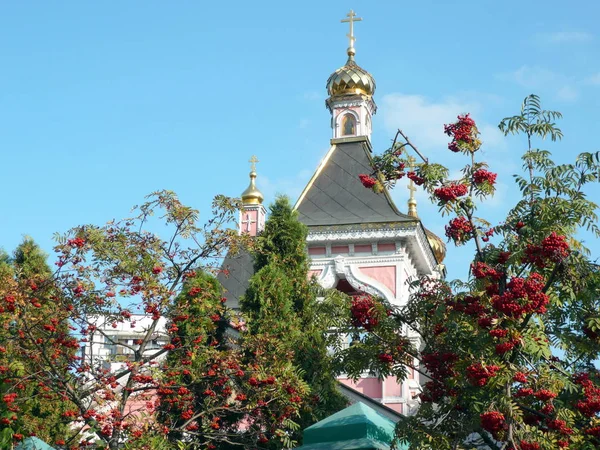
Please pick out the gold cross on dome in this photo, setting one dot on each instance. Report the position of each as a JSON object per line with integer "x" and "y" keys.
{"x": 351, "y": 19}
{"x": 253, "y": 162}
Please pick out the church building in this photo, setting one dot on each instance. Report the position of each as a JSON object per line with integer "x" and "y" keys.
{"x": 358, "y": 241}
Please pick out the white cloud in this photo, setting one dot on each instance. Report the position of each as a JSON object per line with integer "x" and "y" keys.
{"x": 593, "y": 79}
{"x": 563, "y": 37}
{"x": 423, "y": 120}
{"x": 567, "y": 93}
{"x": 540, "y": 78}
{"x": 532, "y": 77}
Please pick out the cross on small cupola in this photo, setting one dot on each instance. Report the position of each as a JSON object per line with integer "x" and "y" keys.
{"x": 351, "y": 19}
{"x": 252, "y": 215}
{"x": 351, "y": 90}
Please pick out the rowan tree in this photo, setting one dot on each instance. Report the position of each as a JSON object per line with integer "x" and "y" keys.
{"x": 28, "y": 407}
{"x": 103, "y": 275}
{"x": 219, "y": 391}
{"x": 508, "y": 356}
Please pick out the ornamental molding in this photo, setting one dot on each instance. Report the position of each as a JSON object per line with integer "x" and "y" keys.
{"x": 423, "y": 259}
{"x": 347, "y": 104}
{"x": 426, "y": 250}
{"x": 344, "y": 269}
{"x": 362, "y": 261}
{"x": 360, "y": 234}
{"x": 327, "y": 278}
{"x": 361, "y": 282}
{"x": 332, "y": 103}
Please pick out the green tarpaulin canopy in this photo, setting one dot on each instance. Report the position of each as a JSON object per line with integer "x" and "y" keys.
{"x": 357, "y": 427}
{"x": 33, "y": 443}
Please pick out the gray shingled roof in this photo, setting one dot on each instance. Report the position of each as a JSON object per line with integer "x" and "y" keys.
{"x": 235, "y": 275}
{"x": 337, "y": 197}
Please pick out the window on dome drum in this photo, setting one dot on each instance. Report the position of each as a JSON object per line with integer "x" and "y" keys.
{"x": 348, "y": 125}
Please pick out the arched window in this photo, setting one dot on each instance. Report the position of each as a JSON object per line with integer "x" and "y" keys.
{"x": 348, "y": 125}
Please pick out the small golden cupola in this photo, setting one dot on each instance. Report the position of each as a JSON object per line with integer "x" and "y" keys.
{"x": 351, "y": 89}
{"x": 253, "y": 213}
{"x": 435, "y": 242}
{"x": 351, "y": 79}
{"x": 252, "y": 196}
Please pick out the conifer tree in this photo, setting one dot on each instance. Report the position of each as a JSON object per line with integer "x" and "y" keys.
{"x": 281, "y": 300}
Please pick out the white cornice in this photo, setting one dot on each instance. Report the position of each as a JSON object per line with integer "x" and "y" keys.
{"x": 358, "y": 233}
{"x": 361, "y": 261}
{"x": 418, "y": 248}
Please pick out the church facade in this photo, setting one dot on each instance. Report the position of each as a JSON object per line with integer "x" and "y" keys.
{"x": 358, "y": 241}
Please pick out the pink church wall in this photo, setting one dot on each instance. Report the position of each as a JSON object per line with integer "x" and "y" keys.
{"x": 386, "y": 275}
{"x": 249, "y": 222}
{"x": 141, "y": 403}
{"x": 315, "y": 273}
{"x": 398, "y": 407}
{"x": 392, "y": 387}
{"x": 316, "y": 251}
{"x": 367, "y": 386}
{"x": 337, "y": 249}
{"x": 363, "y": 248}
{"x": 390, "y": 247}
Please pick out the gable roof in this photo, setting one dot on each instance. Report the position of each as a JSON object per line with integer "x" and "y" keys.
{"x": 355, "y": 427}
{"x": 235, "y": 275}
{"x": 355, "y": 396}
{"x": 33, "y": 443}
{"x": 335, "y": 195}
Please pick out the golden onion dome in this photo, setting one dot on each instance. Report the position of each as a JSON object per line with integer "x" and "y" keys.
{"x": 252, "y": 195}
{"x": 351, "y": 79}
{"x": 437, "y": 245}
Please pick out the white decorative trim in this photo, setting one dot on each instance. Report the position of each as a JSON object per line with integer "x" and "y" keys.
{"x": 422, "y": 255}
{"x": 413, "y": 384}
{"x": 368, "y": 103}
{"x": 395, "y": 400}
{"x": 359, "y": 234}
{"x": 347, "y": 269}
{"x": 375, "y": 260}
{"x": 327, "y": 278}
{"x": 347, "y": 104}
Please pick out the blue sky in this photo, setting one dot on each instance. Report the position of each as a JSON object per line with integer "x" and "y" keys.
{"x": 104, "y": 102}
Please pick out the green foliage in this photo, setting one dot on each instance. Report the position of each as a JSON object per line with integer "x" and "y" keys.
{"x": 281, "y": 302}
{"x": 30, "y": 261}
{"x": 509, "y": 357}
{"x": 105, "y": 274}
{"x": 533, "y": 121}
{"x": 38, "y": 411}
{"x": 219, "y": 390}
{"x": 283, "y": 240}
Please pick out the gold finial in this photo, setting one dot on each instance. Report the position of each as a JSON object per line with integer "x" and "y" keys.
{"x": 252, "y": 195}
{"x": 351, "y": 19}
{"x": 412, "y": 201}
{"x": 253, "y": 162}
